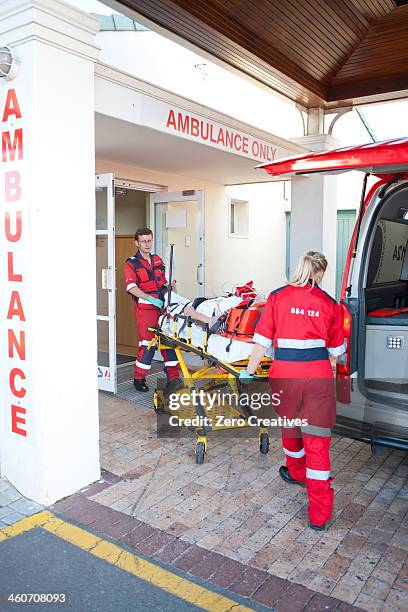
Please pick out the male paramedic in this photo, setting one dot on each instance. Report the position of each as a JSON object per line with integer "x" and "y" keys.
{"x": 145, "y": 280}
{"x": 304, "y": 324}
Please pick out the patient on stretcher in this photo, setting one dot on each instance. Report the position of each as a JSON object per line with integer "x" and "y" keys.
{"x": 215, "y": 323}
{"x": 225, "y": 318}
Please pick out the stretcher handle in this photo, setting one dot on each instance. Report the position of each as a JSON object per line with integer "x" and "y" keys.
{"x": 256, "y": 376}
{"x": 169, "y": 291}
{"x": 202, "y": 353}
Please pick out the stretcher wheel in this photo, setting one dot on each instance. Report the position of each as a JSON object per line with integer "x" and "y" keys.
{"x": 200, "y": 452}
{"x": 264, "y": 443}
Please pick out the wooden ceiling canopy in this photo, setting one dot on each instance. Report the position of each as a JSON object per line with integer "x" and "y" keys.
{"x": 320, "y": 53}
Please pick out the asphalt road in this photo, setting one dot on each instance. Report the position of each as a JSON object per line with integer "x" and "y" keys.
{"x": 40, "y": 562}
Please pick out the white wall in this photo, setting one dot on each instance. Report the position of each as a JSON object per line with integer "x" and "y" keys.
{"x": 158, "y": 60}
{"x": 261, "y": 256}
{"x": 313, "y": 222}
{"x": 130, "y": 212}
{"x": 59, "y": 452}
{"x": 349, "y": 188}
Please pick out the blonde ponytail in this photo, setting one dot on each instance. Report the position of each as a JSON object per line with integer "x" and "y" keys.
{"x": 308, "y": 267}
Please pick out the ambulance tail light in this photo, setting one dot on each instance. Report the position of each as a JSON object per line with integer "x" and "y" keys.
{"x": 343, "y": 362}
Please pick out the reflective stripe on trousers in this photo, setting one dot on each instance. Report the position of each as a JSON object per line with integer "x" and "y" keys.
{"x": 308, "y": 460}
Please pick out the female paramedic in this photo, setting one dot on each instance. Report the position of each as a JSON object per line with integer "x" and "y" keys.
{"x": 304, "y": 325}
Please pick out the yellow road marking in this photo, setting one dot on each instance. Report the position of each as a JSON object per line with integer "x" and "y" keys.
{"x": 126, "y": 561}
{"x": 26, "y": 524}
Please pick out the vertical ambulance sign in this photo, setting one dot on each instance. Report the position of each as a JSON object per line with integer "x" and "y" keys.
{"x": 15, "y": 416}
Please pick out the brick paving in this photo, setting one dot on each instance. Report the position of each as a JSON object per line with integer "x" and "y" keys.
{"x": 232, "y": 521}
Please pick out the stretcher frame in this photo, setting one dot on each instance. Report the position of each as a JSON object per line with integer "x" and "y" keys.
{"x": 223, "y": 371}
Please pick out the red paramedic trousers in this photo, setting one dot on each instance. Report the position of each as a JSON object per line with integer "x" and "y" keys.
{"x": 146, "y": 316}
{"x": 307, "y": 392}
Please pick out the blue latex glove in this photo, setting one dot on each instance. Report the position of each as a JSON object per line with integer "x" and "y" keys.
{"x": 246, "y": 377}
{"x": 155, "y": 301}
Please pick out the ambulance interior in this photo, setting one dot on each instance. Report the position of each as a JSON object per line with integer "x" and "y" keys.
{"x": 386, "y": 297}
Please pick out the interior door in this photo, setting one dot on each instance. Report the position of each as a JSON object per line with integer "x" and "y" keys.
{"x": 346, "y": 220}
{"x": 178, "y": 218}
{"x": 105, "y": 281}
{"x": 127, "y": 340}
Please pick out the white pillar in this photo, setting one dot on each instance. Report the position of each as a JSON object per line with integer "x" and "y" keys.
{"x": 314, "y": 213}
{"x": 48, "y": 388}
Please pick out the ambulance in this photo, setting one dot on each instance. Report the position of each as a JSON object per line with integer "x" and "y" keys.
{"x": 372, "y": 376}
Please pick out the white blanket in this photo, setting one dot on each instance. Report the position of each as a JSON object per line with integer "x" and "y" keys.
{"x": 217, "y": 345}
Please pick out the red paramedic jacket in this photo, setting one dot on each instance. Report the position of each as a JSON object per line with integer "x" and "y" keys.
{"x": 149, "y": 278}
{"x": 304, "y": 324}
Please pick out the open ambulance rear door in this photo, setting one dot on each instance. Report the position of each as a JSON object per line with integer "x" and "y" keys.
{"x": 382, "y": 159}
{"x": 389, "y": 162}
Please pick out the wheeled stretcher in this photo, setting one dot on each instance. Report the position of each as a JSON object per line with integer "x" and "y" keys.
{"x": 215, "y": 374}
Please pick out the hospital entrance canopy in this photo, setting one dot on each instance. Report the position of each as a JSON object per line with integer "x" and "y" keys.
{"x": 319, "y": 53}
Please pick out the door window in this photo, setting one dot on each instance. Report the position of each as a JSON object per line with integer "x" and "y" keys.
{"x": 105, "y": 282}
{"x": 387, "y": 252}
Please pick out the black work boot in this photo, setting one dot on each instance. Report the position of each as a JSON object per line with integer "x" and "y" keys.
{"x": 284, "y": 474}
{"x": 318, "y": 527}
{"x": 140, "y": 385}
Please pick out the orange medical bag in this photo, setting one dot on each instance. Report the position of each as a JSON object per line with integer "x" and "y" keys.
{"x": 242, "y": 321}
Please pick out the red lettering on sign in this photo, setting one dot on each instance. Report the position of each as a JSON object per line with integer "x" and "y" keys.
{"x": 220, "y": 139}
{"x": 12, "y": 106}
{"x": 204, "y": 134}
{"x": 195, "y": 124}
{"x": 9, "y": 149}
{"x": 12, "y": 189}
{"x": 16, "y": 372}
{"x": 237, "y": 146}
{"x": 229, "y": 139}
{"x": 18, "y": 345}
{"x": 12, "y": 150}
{"x": 183, "y": 126}
{"x": 211, "y": 134}
{"x": 13, "y": 237}
{"x": 15, "y": 307}
{"x": 15, "y": 420}
{"x": 12, "y": 277}
{"x": 171, "y": 120}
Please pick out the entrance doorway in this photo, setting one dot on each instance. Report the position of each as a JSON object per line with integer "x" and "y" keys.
{"x": 130, "y": 214}
{"x": 121, "y": 208}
